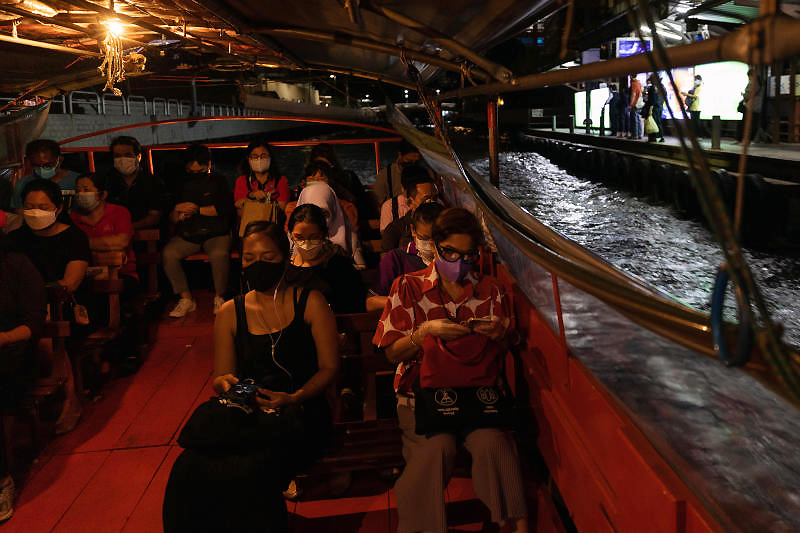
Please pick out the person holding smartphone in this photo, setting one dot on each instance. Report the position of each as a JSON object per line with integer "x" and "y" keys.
{"x": 448, "y": 301}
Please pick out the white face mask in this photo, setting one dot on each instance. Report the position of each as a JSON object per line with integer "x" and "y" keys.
{"x": 424, "y": 249}
{"x": 309, "y": 249}
{"x": 38, "y": 219}
{"x": 87, "y": 201}
{"x": 126, "y": 165}
{"x": 259, "y": 165}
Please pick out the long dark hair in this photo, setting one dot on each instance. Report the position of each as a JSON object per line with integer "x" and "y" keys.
{"x": 274, "y": 171}
{"x": 272, "y": 231}
{"x": 311, "y": 214}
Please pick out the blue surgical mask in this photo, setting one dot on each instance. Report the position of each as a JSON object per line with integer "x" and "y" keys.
{"x": 45, "y": 172}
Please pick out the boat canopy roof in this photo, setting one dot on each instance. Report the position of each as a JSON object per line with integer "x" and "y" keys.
{"x": 348, "y": 36}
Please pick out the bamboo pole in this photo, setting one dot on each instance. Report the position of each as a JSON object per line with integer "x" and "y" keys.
{"x": 778, "y": 33}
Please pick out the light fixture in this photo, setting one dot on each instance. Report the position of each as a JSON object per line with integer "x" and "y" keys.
{"x": 114, "y": 27}
{"x": 405, "y": 91}
{"x": 438, "y": 91}
{"x": 500, "y": 101}
{"x": 332, "y": 76}
{"x": 366, "y": 96}
{"x": 39, "y": 8}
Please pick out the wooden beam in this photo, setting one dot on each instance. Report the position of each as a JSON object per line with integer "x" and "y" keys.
{"x": 48, "y": 46}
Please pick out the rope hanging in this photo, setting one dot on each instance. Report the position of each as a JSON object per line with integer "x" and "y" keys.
{"x": 113, "y": 66}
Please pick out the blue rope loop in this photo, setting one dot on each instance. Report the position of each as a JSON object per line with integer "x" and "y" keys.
{"x": 745, "y": 338}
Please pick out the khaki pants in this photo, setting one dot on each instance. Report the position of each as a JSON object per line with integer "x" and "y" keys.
{"x": 218, "y": 250}
{"x": 419, "y": 491}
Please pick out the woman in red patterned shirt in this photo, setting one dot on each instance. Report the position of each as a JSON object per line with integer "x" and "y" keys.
{"x": 434, "y": 303}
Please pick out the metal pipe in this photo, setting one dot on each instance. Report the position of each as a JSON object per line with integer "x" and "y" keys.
{"x": 337, "y": 69}
{"x": 377, "y": 157}
{"x": 716, "y": 132}
{"x": 48, "y": 46}
{"x": 494, "y": 141}
{"x": 367, "y": 44}
{"x": 779, "y": 34}
{"x": 498, "y": 72}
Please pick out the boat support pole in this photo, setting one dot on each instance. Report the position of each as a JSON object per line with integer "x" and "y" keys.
{"x": 494, "y": 141}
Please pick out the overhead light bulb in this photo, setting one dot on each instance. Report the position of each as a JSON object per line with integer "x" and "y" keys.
{"x": 500, "y": 101}
{"x": 366, "y": 96}
{"x": 39, "y": 8}
{"x": 332, "y": 76}
{"x": 114, "y": 27}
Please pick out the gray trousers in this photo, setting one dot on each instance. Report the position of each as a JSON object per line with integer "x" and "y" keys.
{"x": 420, "y": 490}
{"x": 218, "y": 250}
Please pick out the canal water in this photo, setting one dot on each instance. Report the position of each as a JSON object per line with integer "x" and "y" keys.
{"x": 648, "y": 240}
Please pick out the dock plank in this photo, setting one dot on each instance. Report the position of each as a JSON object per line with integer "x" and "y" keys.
{"x": 113, "y": 492}
{"x": 146, "y": 516}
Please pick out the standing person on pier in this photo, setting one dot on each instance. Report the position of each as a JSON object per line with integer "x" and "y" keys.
{"x": 692, "y": 101}
{"x": 635, "y": 105}
{"x": 654, "y": 106}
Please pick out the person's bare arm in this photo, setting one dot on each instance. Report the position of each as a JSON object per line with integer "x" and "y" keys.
{"x": 73, "y": 275}
{"x": 376, "y": 302}
{"x": 150, "y": 221}
{"x": 18, "y": 334}
{"x": 408, "y": 347}
{"x": 225, "y": 348}
{"x": 208, "y": 211}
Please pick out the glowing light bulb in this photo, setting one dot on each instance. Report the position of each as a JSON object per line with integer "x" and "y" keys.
{"x": 114, "y": 27}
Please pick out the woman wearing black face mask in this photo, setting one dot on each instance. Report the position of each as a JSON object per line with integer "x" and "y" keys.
{"x": 284, "y": 338}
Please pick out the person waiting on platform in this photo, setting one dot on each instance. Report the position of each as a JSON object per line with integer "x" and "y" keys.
{"x": 261, "y": 182}
{"x": 340, "y": 230}
{"x": 23, "y": 305}
{"x": 322, "y": 265}
{"x": 133, "y": 187}
{"x": 419, "y": 189}
{"x": 692, "y": 101}
{"x": 413, "y": 257}
{"x": 388, "y": 182}
{"x": 46, "y": 159}
{"x": 612, "y": 108}
{"x": 284, "y": 339}
{"x": 60, "y": 252}
{"x": 654, "y": 106}
{"x": 635, "y": 106}
{"x": 202, "y": 216}
{"x": 425, "y": 310}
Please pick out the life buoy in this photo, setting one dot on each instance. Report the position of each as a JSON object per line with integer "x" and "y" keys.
{"x": 745, "y": 339}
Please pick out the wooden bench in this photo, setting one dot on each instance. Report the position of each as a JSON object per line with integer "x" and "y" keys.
{"x": 150, "y": 258}
{"x": 369, "y": 443}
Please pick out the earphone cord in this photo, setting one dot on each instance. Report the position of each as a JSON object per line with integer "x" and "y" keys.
{"x": 277, "y": 314}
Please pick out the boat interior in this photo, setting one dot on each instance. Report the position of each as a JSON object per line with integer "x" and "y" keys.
{"x": 626, "y": 418}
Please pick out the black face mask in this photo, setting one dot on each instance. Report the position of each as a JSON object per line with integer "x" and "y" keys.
{"x": 263, "y": 275}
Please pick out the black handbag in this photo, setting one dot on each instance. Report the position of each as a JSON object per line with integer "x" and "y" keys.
{"x": 460, "y": 409}
{"x": 741, "y": 108}
{"x": 199, "y": 228}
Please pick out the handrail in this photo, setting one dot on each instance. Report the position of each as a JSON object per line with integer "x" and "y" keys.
{"x": 166, "y": 109}
{"x": 177, "y": 105}
{"x": 135, "y": 98}
{"x": 125, "y": 110}
{"x": 71, "y": 99}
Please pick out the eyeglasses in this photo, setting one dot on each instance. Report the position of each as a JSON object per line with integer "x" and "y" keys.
{"x": 257, "y": 157}
{"x": 451, "y": 254}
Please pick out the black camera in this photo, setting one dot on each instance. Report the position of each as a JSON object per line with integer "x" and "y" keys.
{"x": 241, "y": 395}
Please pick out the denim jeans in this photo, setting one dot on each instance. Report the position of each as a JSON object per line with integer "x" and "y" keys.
{"x": 636, "y": 122}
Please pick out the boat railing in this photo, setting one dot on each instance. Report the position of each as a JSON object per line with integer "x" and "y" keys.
{"x": 88, "y": 102}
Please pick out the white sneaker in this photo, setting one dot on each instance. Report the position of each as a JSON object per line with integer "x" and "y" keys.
{"x": 7, "y": 494}
{"x": 185, "y": 306}
{"x": 218, "y": 301}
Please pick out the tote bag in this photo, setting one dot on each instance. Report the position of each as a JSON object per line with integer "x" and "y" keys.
{"x": 256, "y": 211}
{"x": 650, "y": 125}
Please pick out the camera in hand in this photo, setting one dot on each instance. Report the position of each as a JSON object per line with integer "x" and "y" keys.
{"x": 241, "y": 395}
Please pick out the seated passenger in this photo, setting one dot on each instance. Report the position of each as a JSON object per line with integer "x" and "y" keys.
{"x": 60, "y": 252}
{"x": 133, "y": 187}
{"x": 262, "y": 180}
{"x": 397, "y": 206}
{"x": 202, "y": 216}
{"x": 108, "y": 226}
{"x": 45, "y": 157}
{"x": 430, "y": 306}
{"x": 284, "y": 338}
{"x": 321, "y": 265}
{"x": 388, "y": 181}
{"x": 344, "y": 183}
{"x": 318, "y": 172}
{"x": 340, "y": 230}
{"x": 415, "y": 256}
{"x": 420, "y": 188}
{"x": 23, "y": 304}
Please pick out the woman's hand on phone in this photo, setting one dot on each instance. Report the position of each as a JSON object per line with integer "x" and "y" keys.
{"x": 493, "y": 329}
{"x": 443, "y": 328}
{"x": 222, "y": 384}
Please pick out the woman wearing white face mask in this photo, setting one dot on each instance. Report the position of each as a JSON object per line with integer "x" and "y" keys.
{"x": 60, "y": 252}
{"x": 108, "y": 226}
{"x": 322, "y": 265}
{"x": 262, "y": 179}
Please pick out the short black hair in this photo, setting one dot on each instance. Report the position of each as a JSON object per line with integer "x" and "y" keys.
{"x": 326, "y": 151}
{"x": 408, "y": 148}
{"x": 50, "y": 188}
{"x": 126, "y": 140}
{"x": 98, "y": 179}
{"x": 197, "y": 152}
{"x": 698, "y": 77}
{"x": 412, "y": 176}
{"x": 38, "y": 145}
{"x": 318, "y": 166}
{"x": 273, "y": 231}
{"x": 427, "y": 213}
{"x": 457, "y": 221}
{"x": 311, "y": 214}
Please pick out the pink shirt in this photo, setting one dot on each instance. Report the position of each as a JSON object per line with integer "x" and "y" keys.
{"x": 386, "y": 210}
{"x": 116, "y": 220}
{"x": 245, "y": 186}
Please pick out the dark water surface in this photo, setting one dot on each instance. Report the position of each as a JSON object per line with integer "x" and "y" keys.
{"x": 651, "y": 241}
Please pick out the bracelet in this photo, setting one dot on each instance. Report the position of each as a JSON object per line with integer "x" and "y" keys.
{"x": 411, "y": 339}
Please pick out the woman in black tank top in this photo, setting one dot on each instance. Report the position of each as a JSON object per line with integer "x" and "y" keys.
{"x": 284, "y": 339}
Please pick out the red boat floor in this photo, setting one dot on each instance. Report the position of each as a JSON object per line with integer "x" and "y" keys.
{"x": 109, "y": 474}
